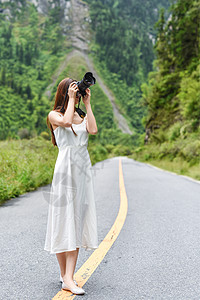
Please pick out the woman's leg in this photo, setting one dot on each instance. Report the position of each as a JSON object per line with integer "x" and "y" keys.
{"x": 62, "y": 262}
{"x": 67, "y": 261}
{"x": 71, "y": 259}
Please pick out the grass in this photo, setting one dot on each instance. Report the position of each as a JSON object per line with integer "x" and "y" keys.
{"x": 25, "y": 165}
{"x": 179, "y": 167}
{"x": 173, "y": 158}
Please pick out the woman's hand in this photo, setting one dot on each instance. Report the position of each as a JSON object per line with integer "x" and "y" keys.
{"x": 86, "y": 99}
{"x": 73, "y": 88}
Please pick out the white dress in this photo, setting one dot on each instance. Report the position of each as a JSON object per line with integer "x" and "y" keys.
{"x": 72, "y": 221}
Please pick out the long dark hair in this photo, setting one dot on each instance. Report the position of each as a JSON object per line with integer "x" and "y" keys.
{"x": 59, "y": 102}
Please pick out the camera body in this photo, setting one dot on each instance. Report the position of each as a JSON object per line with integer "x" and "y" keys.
{"x": 85, "y": 83}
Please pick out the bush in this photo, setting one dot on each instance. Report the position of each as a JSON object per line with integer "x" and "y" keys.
{"x": 174, "y": 131}
{"x": 147, "y": 156}
{"x": 191, "y": 152}
{"x": 98, "y": 153}
{"x": 45, "y": 135}
{"x": 187, "y": 128}
{"x": 109, "y": 148}
{"x": 159, "y": 137}
{"x": 189, "y": 95}
{"x": 24, "y": 133}
{"x": 139, "y": 149}
{"x": 122, "y": 150}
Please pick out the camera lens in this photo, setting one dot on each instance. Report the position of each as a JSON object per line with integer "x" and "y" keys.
{"x": 85, "y": 83}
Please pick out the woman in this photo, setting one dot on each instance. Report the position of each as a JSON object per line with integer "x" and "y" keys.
{"x": 72, "y": 221}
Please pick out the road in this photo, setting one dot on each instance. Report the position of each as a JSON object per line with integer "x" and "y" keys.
{"x": 156, "y": 255}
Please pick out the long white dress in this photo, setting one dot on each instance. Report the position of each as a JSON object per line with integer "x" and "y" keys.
{"x": 72, "y": 221}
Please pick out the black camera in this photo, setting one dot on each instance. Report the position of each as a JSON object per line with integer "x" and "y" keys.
{"x": 85, "y": 83}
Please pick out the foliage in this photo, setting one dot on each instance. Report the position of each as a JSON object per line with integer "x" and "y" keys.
{"x": 26, "y": 66}
{"x": 180, "y": 149}
{"x": 127, "y": 99}
{"x": 122, "y": 50}
{"x": 25, "y": 165}
{"x": 189, "y": 97}
{"x": 124, "y": 33}
{"x": 172, "y": 94}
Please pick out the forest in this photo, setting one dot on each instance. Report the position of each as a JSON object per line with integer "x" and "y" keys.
{"x": 172, "y": 94}
{"x": 26, "y": 66}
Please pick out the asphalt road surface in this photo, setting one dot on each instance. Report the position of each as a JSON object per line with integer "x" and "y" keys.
{"x": 156, "y": 255}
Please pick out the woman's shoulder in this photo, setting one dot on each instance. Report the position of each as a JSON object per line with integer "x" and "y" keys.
{"x": 54, "y": 113}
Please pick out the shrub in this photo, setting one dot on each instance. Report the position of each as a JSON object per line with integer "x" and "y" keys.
{"x": 45, "y": 135}
{"x": 174, "y": 131}
{"x": 191, "y": 151}
{"x": 98, "y": 153}
{"x": 187, "y": 128}
{"x": 109, "y": 148}
{"x": 159, "y": 137}
{"x": 122, "y": 150}
{"x": 147, "y": 156}
{"x": 24, "y": 133}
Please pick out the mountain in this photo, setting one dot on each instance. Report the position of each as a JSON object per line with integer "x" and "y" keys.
{"x": 123, "y": 44}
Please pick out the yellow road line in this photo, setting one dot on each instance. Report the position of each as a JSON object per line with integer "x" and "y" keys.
{"x": 84, "y": 273}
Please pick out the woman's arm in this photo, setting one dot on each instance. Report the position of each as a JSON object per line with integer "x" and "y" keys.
{"x": 56, "y": 119}
{"x": 90, "y": 120}
{"x": 66, "y": 120}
